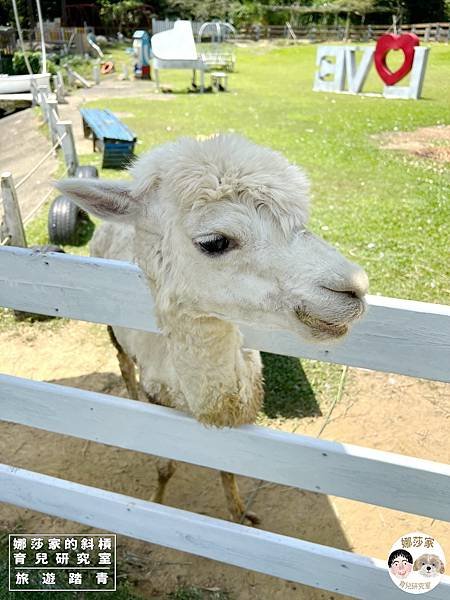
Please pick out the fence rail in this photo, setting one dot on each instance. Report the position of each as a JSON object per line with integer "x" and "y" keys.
{"x": 274, "y": 554}
{"x": 436, "y": 32}
{"x": 428, "y": 32}
{"x": 398, "y": 336}
{"x": 383, "y": 478}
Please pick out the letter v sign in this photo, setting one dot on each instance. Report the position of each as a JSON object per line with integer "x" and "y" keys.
{"x": 357, "y": 75}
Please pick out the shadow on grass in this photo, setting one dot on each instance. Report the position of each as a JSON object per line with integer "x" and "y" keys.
{"x": 288, "y": 392}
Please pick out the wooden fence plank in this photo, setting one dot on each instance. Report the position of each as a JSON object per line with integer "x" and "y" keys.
{"x": 262, "y": 551}
{"x": 383, "y": 478}
{"x": 88, "y": 289}
{"x": 398, "y": 336}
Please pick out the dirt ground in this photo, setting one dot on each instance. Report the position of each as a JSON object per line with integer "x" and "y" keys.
{"x": 383, "y": 411}
{"x": 18, "y": 158}
{"x": 426, "y": 142}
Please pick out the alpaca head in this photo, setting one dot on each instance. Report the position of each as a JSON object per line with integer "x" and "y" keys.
{"x": 220, "y": 229}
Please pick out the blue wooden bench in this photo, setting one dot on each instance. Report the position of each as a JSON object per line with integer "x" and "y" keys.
{"x": 110, "y": 136}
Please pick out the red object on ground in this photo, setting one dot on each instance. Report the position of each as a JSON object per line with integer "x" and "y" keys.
{"x": 405, "y": 42}
{"x": 107, "y": 67}
{"x": 145, "y": 72}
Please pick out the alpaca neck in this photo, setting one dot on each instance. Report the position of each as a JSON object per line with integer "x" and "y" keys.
{"x": 221, "y": 382}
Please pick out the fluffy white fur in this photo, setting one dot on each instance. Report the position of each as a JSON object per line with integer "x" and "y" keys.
{"x": 280, "y": 276}
{"x": 277, "y": 276}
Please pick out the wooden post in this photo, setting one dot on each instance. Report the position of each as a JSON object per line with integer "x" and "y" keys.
{"x": 96, "y": 74}
{"x": 59, "y": 90}
{"x": 60, "y": 77}
{"x": 53, "y": 118}
{"x": 68, "y": 145}
{"x": 347, "y": 28}
{"x": 13, "y": 225}
{"x": 70, "y": 78}
{"x": 34, "y": 91}
{"x": 43, "y": 95}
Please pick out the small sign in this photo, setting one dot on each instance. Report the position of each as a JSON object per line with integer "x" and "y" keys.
{"x": 416, "y": 563}
{"x": 338, "y": 71}
{"x": 66, "y": 562}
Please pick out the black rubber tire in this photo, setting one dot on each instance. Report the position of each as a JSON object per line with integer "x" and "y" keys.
{"x": 64, "y": 217}
{"x": 86, "y": 171}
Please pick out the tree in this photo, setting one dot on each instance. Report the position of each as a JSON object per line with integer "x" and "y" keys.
{"x": 125, "y": 14}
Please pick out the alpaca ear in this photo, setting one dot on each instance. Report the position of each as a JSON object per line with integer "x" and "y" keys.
{"x": 108, "y": 199}
{"x": 416, "y": 566}
{"x": 442, "y": 569}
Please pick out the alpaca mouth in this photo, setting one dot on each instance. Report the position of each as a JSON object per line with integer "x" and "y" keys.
{"x": 319, "y": 325}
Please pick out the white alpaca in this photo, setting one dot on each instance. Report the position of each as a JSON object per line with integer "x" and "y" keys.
{"x": 218, "y": 227}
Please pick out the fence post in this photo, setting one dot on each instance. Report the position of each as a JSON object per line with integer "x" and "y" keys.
{"x": 60, "y": 77}
{"x": 65, "y": 132}
{"x": 13, "y": 225}
{"x": 43, "y": 93}
{"x": 52, "y": 119}
{"x": 59, "y": 90}
{"x": 70, "y": 78}
{"x": 96, "y": 74}
{"x": 34, "y": 91}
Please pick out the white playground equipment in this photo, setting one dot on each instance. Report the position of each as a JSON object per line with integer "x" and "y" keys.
{"x": 217, "y": 53}
{"x": 175, "y": 49}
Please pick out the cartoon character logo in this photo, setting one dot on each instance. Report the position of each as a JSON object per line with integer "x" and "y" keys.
{"x": 400, "y": 563}
{"x": 429, "y": 565}
{"x": 416, "y": 563}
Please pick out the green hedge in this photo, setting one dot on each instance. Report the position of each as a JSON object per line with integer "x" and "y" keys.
{"x": 34, "y": 58}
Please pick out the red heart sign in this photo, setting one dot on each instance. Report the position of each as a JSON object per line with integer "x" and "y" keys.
{"x": 405, "y": 42}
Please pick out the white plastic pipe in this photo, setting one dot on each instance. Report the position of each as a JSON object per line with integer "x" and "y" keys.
{"x": 41, "y": 28}
{"x": 19, "y": 33}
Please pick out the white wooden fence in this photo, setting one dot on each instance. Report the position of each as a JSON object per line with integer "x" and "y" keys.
{"x": 397, "y": 336}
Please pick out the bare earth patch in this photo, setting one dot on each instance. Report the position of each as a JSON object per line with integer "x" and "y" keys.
{"x": 377, "y": 410}
{"x": 426, "y": 142}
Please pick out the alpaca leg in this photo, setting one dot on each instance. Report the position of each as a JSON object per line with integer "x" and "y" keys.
{"x": 127, "y": 367}
{"x": 234, "y": 501}
{"x": 166, "y": 468}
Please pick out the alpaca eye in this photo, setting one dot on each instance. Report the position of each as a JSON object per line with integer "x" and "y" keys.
{"x": 216, "y": 244}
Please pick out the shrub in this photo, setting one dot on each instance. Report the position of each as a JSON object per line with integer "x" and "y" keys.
{"x": 34, "y": 58}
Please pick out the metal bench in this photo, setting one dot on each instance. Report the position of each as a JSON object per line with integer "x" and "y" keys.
{"x": 109, "y": 135}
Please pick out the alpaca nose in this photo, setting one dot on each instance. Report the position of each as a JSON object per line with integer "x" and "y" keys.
{"x": 356, "y": 284}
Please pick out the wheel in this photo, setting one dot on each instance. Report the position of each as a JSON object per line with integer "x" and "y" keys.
{"x": 86, "y": 171}
{"x": 64, "y": 218}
